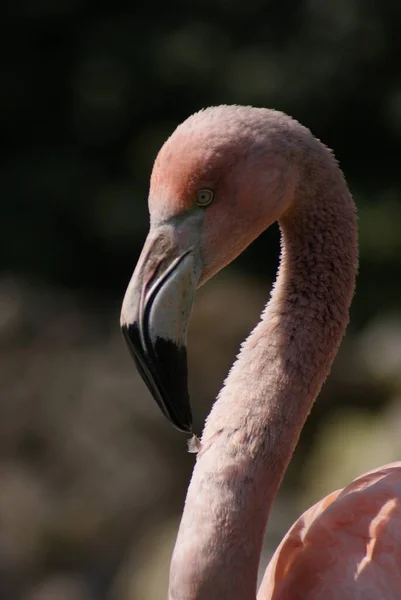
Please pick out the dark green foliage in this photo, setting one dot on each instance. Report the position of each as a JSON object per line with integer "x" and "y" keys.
{"x": 91, "y": 90}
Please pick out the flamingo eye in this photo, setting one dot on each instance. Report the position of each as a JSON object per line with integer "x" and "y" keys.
{"x": 204, "y": 197}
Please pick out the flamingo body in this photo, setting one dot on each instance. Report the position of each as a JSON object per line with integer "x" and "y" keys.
{"x": 347, "y": 546}
{"x": 224, "y": 176}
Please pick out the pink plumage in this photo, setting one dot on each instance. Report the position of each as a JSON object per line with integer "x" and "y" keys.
{"x": 348, "y": 545}
{"x": 258, "y": 166}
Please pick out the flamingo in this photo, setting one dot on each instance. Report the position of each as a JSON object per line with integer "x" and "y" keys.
{"x": 224, "y": 176}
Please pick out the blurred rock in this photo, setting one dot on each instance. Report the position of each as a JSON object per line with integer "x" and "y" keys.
{"x": 350, "y": 443}
{"x": 24, "y": 510}
{"x": 83, "y": 445}
{"x": 145, "y": 572}
{"x": 60, "y": 588}
{"x": 380, "y": 348}
{"x": 93, "y": 479}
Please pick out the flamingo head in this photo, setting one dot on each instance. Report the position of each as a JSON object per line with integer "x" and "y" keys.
{"x": 222, "y": 177}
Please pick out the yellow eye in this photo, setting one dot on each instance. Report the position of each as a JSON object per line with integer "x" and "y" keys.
{"x": 204, "y": 197}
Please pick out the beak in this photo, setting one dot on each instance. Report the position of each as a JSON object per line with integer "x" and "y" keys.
{"x": 154, "y": 318}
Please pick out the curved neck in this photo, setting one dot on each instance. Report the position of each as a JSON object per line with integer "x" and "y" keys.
{"x": 255, "y": 424}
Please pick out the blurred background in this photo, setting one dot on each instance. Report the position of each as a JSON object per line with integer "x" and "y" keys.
{"x": 92, "y": 478}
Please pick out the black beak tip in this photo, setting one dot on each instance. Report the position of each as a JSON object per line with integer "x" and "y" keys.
{"x": 163, "y": 367}
{"x": 183, "y": 427}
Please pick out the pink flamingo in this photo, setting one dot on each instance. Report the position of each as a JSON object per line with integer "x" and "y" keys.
{"x": 223, "y": 177}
